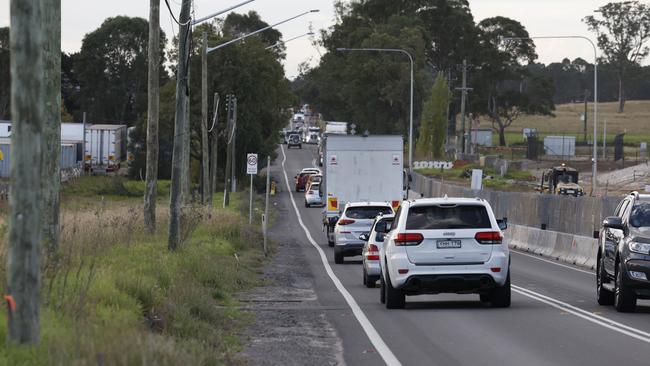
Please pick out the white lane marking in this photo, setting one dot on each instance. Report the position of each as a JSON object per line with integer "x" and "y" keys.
{"x": 596, "y": 319}
{"x": 552, "y": 262}
{"x": 376, "y": 340}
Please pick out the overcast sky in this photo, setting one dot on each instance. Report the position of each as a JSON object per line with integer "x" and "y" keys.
{"x": 540, "y": 17}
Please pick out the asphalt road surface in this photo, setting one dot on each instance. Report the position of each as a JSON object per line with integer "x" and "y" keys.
{"x": 554, "y": 318}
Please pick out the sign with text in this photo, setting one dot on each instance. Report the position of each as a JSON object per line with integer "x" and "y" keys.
{"x": 251, "y": 164}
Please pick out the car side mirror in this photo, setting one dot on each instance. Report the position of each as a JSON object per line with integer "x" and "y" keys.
{"x": 613, "y": 222}
{"x": 503, "y": 223}
{"x": 364, "y": 237}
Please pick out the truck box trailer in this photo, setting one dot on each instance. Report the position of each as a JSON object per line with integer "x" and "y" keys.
{"x": 361, "y": 169}
{"x": 105, "y": 147}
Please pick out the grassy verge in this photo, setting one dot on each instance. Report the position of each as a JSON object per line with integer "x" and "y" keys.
{"x": 512, "y": 181}
{"x": 114, "y": 295}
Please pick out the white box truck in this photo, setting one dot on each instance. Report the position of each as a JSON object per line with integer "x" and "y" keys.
{"x": 105, "y": 148}
{"x": 361, "y": 169}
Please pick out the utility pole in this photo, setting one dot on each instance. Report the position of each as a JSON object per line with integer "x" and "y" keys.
{"x": 27, "y": 42}
{"x": 467, "y": 148}
{"x": 50, "y": 165}
{"x": 153, "y": 104}
{"x": 584, "y": 121}
{"x": 182, "y": 93}
{"x": 205, "y": 176}
{"x": 214, "y": 131}
{"x": 233, "y": 157}
{"x": 229, "y": 128}
{"x": 187, "y": 141}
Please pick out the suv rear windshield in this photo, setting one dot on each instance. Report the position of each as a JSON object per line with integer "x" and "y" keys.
{"x": 453, "y": 217}
{"x": 367, "y": 212}
{"x": 640, "y": 216}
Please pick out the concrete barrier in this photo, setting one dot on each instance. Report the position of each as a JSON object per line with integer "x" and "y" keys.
{"x": 568, "y": 248}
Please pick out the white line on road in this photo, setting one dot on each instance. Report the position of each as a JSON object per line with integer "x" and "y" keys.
{"x": 596, "y": 319}
{"x": 552, "y": 262}
{"x": 379, "y": 344}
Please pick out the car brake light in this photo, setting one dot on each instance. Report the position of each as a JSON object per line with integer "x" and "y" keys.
{"x": 311, "y": 192}
{"x": 373, "y": 253}
{"x": 489, "y": 237}
{"x": 373, "y": 248}
{"x": 345, "y": 222}
{"x": 408, "y": 239}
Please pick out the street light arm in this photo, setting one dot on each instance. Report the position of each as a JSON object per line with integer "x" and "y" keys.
{"x": 201, "y": 20}
{"x": 259, "y": 31}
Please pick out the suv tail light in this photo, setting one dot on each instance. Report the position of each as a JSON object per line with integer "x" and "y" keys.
{"x": 408, "y": 239}
{"x": 346, "y": 222}
{"x": 489, "y": 237}
{"x": 373, "y": 253}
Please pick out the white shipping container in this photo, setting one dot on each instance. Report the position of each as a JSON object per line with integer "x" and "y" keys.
{"x": 560, "y": 145}
{"x": 72, "y": 131}
{"x": 360, "y": 169}
{"x": 105, "y": 146}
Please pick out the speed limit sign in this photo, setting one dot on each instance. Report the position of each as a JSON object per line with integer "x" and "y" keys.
{"x": 251, "y": 164}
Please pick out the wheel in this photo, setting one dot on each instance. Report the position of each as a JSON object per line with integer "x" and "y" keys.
{"x": 395, "y": 298}
{"x": 382, "y": 291}
{"x": 338, "y": 256}
{"x": 330, "y": 242}
{"x": 367, "y": 280}
{"x": 300, "y": 147}
{"x": 306, "y": 204}
{"x": 624, "y": 297}
{"x": 297, "y": 189}
{"x": 603, "y": 295}
{"x": 500, "y": 296}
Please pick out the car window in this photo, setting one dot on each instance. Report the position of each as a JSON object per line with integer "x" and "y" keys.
{"x": 367, "y": 212}
{"x": 453, "y": 217}
{"x": 314, "y": 187}
{"x": 640, "y": 216}
{"x": 396, "y": 219}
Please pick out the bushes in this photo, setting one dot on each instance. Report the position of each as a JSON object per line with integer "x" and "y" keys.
{"x": 115, "y": 295}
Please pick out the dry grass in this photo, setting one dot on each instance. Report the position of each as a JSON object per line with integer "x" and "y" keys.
{"x": 114, "y": 295}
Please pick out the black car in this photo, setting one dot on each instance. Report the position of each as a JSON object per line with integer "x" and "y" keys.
{"x": 623, "y": 267}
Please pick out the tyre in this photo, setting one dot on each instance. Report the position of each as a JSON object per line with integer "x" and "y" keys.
{"x": 330, "y": 242}
{"x": 382, "y": 291}
{"x": 306, "y": 204}
{"x": 500, "y": 296}
{"x": 395, "y": 298}
{"x": 624, "y": 296}
{"x": 369, "y": 281}
{"x": 338, "y": 256}
{"x": 300, "y": 147}
{"x": 603, "y": 295}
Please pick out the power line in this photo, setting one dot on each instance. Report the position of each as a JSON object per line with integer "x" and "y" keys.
{"x": 174, "y": 17}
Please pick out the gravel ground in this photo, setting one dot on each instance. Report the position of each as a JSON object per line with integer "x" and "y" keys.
{"x": 290, "y": 327}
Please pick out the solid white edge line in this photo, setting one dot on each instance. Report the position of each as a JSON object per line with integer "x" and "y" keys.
{"x": 376, "y": 340}
{"x": 551, "y": 262}
{"x": 596, "y": 319}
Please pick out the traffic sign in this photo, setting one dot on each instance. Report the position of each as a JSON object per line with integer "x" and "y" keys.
{"x": 251, "y": 164}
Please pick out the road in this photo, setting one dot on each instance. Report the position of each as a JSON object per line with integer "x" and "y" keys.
{"x": 553, "y": 320}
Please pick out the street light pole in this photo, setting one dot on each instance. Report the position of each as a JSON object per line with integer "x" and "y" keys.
{"x": 411, "y": 104}
{"x": 594, "y": 159}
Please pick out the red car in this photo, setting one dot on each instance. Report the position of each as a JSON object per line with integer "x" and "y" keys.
{"x": 303, "y": 178}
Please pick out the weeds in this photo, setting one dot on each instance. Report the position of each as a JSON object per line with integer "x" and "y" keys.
{"x": 112, "y": 294}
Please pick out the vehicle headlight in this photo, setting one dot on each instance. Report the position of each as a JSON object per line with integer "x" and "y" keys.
{"x": 641, "y": 248}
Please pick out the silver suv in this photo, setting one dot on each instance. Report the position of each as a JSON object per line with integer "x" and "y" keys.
{"x": 445, "y": 245}
{"x": 357, "y": 219}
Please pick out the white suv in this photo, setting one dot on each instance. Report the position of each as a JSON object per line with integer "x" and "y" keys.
{"x": 357, "y": 219}
{"x": 445, "y": 245}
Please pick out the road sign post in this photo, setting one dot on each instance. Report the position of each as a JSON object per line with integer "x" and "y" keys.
{"x": 266, "y": 204}
{"x": 251, "y": 169}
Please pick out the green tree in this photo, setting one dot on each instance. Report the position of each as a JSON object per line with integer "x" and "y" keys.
{"x": 623, "y": 29}
{"x": 504, "y": 87}
{"x": 433, "y": 129}
{"x": 5, "y": 80}
{"x": 112, "y": 70}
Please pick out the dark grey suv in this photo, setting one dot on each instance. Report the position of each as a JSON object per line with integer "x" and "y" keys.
{"x": 623, "y": 267}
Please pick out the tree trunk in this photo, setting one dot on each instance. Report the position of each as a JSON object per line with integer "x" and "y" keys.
{"x": 621, "y": 95}
{"x": 153, "y": 103}
{"x": 25, "y": 199}
{"x": 178, "y": 158}
{"x": 502, "y": 136}
{"x": 205, "y": 177}
{"x": 50, "y": 165}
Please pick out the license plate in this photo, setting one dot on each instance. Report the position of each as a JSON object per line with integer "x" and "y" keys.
{"x": 448, "y": 244}
{"x": 570, "y": 191}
